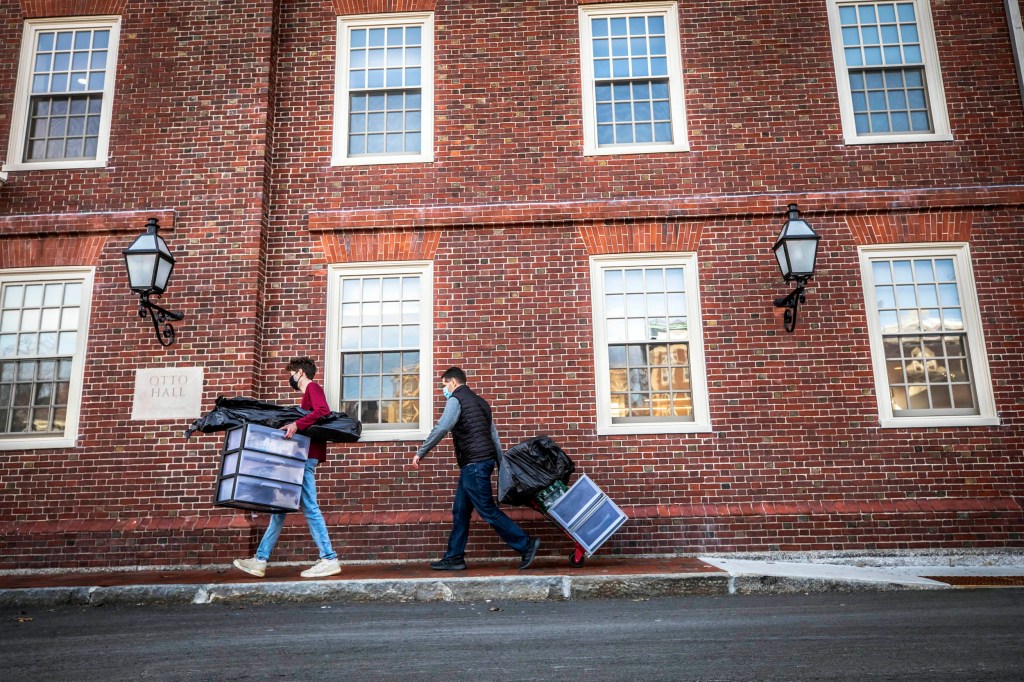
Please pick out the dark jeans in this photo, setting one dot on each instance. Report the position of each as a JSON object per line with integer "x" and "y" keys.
{"x": 474, "y": 492}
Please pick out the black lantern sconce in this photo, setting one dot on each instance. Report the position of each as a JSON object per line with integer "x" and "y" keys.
{"x": 149, "y": 265}
{"x": 796, "y": 251}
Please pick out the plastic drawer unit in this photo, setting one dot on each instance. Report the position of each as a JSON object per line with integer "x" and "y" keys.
{"x": 261, "y": 470}
{"x": 586, "y": 513}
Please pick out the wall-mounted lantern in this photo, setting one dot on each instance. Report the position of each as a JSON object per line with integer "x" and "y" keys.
{"x": 796, "y": 250}
{"x": 149, "y": 264}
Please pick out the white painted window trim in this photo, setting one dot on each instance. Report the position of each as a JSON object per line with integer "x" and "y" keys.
{"x": 35, "y": 276}
{"x": 332, "y": 355}
{"x": 960, "y": 253}
{"x": 675, "y": 80}
{"x": 933, "y": 75}
{"x": 22, "y": 96}
{"x": 339, "y": 156}
{"x": 698, "y": 371}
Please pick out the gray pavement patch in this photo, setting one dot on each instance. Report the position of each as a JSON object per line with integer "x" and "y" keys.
{"x": 820, "y": 573}
{"x": 776, "y": 584}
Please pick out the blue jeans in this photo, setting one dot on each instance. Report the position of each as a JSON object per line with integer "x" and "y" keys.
{"x": 315, "y": 519}
{"x": 474, "y": 492}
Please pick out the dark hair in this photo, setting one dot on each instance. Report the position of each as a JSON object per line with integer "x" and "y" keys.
{"x": 307, "y": 366}
{"x": 454, "y": 373}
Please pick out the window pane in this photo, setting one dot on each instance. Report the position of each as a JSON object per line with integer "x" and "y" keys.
{"x": 923, "y": 371}
{"x": 380, "y": 382}
{"x": 387, "y": 62}
{"x": 40, "y": 379}
{"x": 78, "y": 66}
{"x": 648, "y": 380}
{"x": 631, "y": 88}
{"x": 873, "y": 35}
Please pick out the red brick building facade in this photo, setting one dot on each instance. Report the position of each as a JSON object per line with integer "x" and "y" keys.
{"x": 575, "y": 202}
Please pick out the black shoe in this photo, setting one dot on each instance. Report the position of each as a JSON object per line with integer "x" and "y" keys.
{"x": 446, "y": 564}
{"x": 530, "y": 554}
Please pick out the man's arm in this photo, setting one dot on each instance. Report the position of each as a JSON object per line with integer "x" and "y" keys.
{"x": 320, "y": 409}
{"x": 496, "y": 439}
{"x": 446, "y": 423}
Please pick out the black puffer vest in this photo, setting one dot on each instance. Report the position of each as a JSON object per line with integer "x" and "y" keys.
{"x": 472, "y": 433}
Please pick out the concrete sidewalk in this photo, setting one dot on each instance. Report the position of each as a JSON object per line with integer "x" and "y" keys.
{"x": 549, "y": 578}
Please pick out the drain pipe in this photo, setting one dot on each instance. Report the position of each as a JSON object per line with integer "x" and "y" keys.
{"x": 1016, "y": 41}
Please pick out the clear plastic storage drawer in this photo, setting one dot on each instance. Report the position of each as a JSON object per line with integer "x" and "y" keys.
{"x": 261, "y": 470}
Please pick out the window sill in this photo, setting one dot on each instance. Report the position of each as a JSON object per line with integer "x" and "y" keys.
{"x": 54, "y": 165}
{"x": 936, "y": 422}
{"x": 636, "y": 149}
{"x": 44, "y": 443}
{"x": 652, "y": 429}
{"x": 377, "y": 436}
{"x": 381, "y": 160}
{"x": 897, "y": 139}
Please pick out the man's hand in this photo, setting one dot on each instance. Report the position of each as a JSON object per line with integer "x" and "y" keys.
{"x": 290, "y": 430}
{"x": 415, "y": 462}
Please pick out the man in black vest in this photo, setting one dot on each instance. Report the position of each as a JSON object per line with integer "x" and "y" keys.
{"x": 477, "y": 448}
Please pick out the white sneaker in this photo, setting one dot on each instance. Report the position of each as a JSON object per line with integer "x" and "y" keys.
{"x": 254, "y": 566}
{"x": 322, "y": 569}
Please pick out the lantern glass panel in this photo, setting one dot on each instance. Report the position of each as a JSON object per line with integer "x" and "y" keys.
{"x": 140, "y": 270}
{"x": 797, "y": 228}
{"x": 144, "y": 242}
{"x": 163, "y": 273}
{"x": 780, "y": 255}
{"x": 801, "y": 255}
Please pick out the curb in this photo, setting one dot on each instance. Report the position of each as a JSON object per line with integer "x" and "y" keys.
{"x": 545, "y": 588}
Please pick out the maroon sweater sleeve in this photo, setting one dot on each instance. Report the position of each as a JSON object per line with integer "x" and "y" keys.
{"x": 315, "y": 400}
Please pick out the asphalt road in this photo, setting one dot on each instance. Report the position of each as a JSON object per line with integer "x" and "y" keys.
{"x": 934, "y": 635}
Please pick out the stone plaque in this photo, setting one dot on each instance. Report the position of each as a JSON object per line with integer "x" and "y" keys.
{"x": 168, "y": 393}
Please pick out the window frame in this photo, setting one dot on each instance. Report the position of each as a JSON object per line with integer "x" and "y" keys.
{"x": 932, "y": 72}
{"x": 85, "y": 275}
{"x": 23, "y": 95}
{"x": 339, "y": 154}
{"x": 677, "y": 104}
{"x": 701, "y": 422}
{"x": 332, "y": 355}
{"x": 977, "y": 353}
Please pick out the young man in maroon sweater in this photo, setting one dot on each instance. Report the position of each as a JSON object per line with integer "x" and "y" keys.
{"x": 302, "y": 371}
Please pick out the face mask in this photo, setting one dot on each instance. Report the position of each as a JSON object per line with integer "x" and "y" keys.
{"x": 447, "y": 394}
{"x": 293, "y": 383}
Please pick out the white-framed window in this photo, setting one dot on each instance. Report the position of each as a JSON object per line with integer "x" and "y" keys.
{"x": 384, "y": 89}
{"x": 64, "y": 95}
{"x": 44, "y": 324}
{"x": 379, "y": 356}
{"x": 648, "y": 344}
{"x": 927, "y": 346}
{"x": 632, "y": 79}
{"x": 887, "y": 72}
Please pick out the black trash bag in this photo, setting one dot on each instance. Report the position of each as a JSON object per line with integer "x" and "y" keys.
{"x": 229, "y": 413}
{"x": 529, "y": 467}
{"x": 337, "y": 427}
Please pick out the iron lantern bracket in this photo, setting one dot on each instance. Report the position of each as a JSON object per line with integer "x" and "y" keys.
{"x": 792, "y": 304}
{"x": 160, "y": 316}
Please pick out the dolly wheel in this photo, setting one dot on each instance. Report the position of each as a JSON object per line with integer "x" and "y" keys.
{"x": 577, "y": 558}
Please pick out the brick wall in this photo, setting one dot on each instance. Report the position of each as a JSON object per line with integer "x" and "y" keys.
{"x": 236, "y": 155}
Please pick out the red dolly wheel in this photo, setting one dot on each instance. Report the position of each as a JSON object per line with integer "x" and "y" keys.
{"x": 577, "y": 557}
